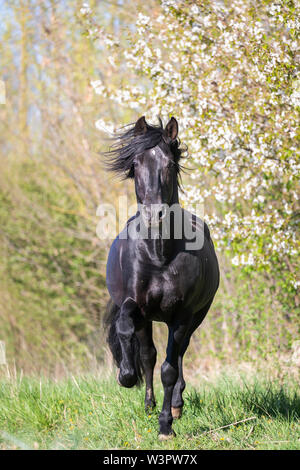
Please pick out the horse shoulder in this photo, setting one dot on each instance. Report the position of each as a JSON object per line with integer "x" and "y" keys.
{"x": 115, "y": 265}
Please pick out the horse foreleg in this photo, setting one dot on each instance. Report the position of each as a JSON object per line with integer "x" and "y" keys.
{"x": 125, "y": 330}
{"x": 148, "y": 358}
{"x": 177, "y": 400}
{"x": 169, "y": 376}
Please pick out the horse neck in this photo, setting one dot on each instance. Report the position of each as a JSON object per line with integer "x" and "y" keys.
{"x": 161, "y": 250}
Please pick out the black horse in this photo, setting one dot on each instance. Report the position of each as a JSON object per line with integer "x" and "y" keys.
{"x": 162, "y": 276}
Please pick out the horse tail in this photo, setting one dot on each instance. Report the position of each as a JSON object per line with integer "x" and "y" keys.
{"x": 110, "y": 319}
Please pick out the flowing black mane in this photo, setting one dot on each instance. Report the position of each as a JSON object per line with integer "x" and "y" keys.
{"x": 126, "y": 145}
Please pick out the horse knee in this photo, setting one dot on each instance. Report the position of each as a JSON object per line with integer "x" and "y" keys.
{"x": 127, "y": 377}
{"x": 129, "y": 370}
{"x": 148, "y": 355}
{"x": 169, "y": 374}
{"x": 124, "y": 329}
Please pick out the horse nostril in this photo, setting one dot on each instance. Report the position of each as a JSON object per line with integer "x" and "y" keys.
{"x": 160, "y": 214}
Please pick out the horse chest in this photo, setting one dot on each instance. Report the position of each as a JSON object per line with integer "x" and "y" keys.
{"x": 167, "y": 291}
{"x": 164, "y": 294}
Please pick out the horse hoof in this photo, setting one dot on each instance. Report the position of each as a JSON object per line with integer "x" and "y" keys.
{"x": 166, "y": 437}
{"x": 176, "y": 412}
{"x": 149, "y": 407}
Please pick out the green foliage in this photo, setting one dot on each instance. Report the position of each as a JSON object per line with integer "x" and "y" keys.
{"x": 52, "y": 268}
{"x": 228, "y": 72}
{"x": 51, "y": 280}
{"x": 252, "y": 318}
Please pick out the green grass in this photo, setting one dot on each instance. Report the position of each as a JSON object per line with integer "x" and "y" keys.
{"x": 90, "y": 413}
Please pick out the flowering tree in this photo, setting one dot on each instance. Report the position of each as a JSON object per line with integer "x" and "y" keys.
{"x": 228, "y": 71}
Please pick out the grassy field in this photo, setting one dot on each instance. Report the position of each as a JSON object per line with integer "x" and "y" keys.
{"x": 90, "y": 413}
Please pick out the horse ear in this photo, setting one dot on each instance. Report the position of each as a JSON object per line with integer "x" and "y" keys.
{"x": 172, "y": 128}
{"x": 140, "y": 126}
